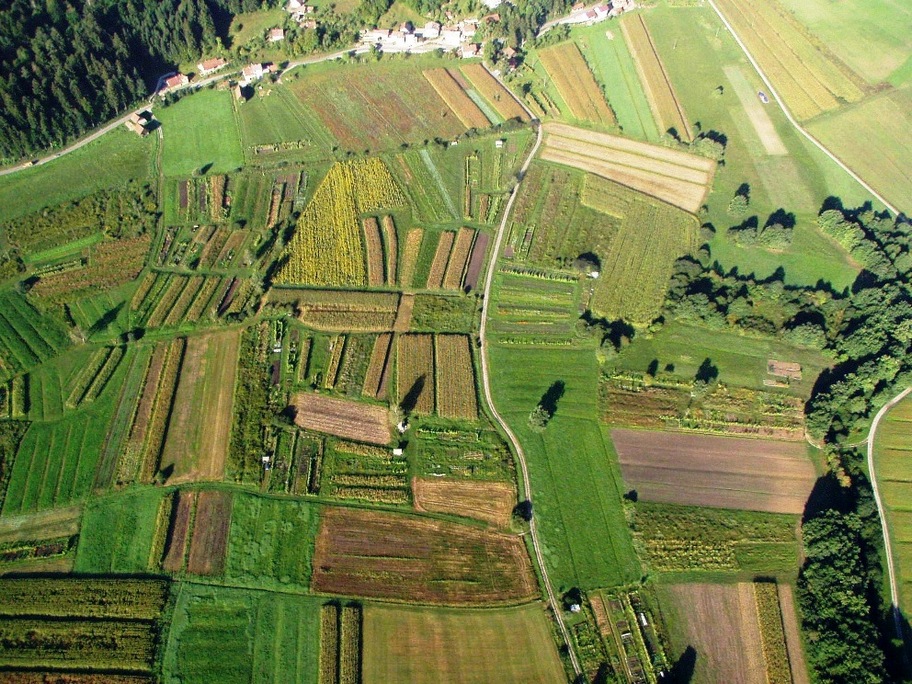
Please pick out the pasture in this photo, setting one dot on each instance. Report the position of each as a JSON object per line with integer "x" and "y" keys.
{"x": 275, "y": 117}
{"x": 111, "y": 161}
{"x": 722, "y": 472}
{"x": 672, "y": 176}
{"x": 881, "y": 155}
{"x": 806, "y": 74}
{"x": 586, "y": 487}
{"x": 492, "y": 502}
{"x": 236, "y": 636}
{"x": 200, "y": 134}
{"x": 660, "y": 92}
{"x": 425, "y": 645}
{"x": 364, "y": 107}
{"x": 199, "y": 427}
{"x": 119, "y": 533}
{"x": 376, "y": 554}
{"x": 575, "y": 83}
{"x": 873, "y": 38}
{"x": 893, "y": 468}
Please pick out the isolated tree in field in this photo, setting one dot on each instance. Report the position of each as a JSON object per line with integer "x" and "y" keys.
{"x": 539, "y": 418}
{"x": 740, "y": 202}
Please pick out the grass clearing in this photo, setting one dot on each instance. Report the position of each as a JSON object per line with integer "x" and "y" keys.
{"x": 275, "y": 117}
{"x": 200, "y": 133}
{"x": 425, "y": 645}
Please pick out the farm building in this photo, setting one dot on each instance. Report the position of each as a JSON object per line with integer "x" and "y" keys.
{"x": 277, "y": 34}
{"x": 139, "y": 123}
{"x": 210, "y": 66}
{"x": 254, "y": 72}
{"x": 431, "y": 30}
{"x": 469, "y": 50}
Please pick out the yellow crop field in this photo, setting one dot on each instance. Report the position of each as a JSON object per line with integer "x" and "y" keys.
{"x": 490, "y": 88}
{"x": 452, "y": 280}
{"x": 327, "y": 247}
{"x": 809, "y": 77}
{"x": 456, "y": 395}
{"x": 375, "y": 261}
{"x": 391, "y": 242}
{"x": 415, "y": 373}
{"x": 576, "y": 84}
{"x": 664, "y": 102}
{"x": 441, "y": 258}
{"x": 410, "y": 256}
{"x": 455, "y": 97}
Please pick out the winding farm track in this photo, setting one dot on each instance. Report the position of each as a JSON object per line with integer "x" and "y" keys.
{"x": 788, "y": 115}
{"x": 894, "y": 588}
{"x": 486, "y": 386}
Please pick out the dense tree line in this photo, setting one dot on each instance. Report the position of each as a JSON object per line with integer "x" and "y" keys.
{"x": 67, "y": 66}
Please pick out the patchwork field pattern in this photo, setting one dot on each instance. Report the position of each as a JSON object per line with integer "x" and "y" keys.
{"x": 575, "y": 83}
{"x": 664, "y": 102}
{"x": 805, "y": 73}
{"x": 672, "y": 176}
{"x": 724, "y": 472}
{"x": 383, "y": 555}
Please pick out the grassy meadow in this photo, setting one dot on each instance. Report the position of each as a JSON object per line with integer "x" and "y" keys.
{"x": 572, "y": 466}
{"x": 200, "y": 132}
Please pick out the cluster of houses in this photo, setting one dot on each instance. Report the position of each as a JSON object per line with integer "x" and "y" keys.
{"x": 592, "y": 15}
{"x": 432, "y": 35}
{"x": 301, "y": 13}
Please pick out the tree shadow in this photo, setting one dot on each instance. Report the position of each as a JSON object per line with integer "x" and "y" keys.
{"x": 707, "y": 372}
{"x": 106, "y": 320}
{"x": 410, "y": 400}
{"x": 552, "y": 396}
{"x": 682, "y": 671}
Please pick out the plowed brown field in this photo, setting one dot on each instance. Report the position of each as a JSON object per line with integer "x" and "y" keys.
{"x": 343, "y": 418}
{"x": 385, "y": 555}
{"x": 210, "y": 533}
{"x": 723, "y": 472}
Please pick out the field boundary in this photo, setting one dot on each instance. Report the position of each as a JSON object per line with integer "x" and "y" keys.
{"x": 791, "y": 119}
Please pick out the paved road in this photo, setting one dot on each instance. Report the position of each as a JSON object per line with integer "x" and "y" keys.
{"x": 486, "y": 386}
{"x": 894, "y": 588}
{"x": 791, "y": 119}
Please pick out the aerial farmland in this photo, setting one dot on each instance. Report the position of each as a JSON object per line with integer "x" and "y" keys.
{"x": 398, "y": 342}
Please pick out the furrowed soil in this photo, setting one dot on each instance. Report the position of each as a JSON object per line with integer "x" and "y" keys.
{"x": 492, "y": 502}
{"x": 361, "y": 422}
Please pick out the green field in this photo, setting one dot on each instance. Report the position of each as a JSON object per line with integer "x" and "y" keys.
{"x": 275, "y": 116}
{"x": 798, "y": 182}
{"x": 118, "y": 533}
{"x": 231, "y": 635}
{"x": 741, "y": 360}
{"x": 200, "y": 132}
{"x": 271, "y": 543}
{"x": 874, "y": 37}
{"x": 571, "y": 464}
{"x": 418, "y": 645}
{"x": 109, "y": 162}
{"x": 893, "y": 469}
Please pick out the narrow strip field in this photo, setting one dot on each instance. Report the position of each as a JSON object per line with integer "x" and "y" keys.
{"x": 760, "y": 120}
{"x": 678, "y": 178}
{"x": 455, "y": 97}
{"x": 492, "y": 502}
{"x": 700, "y": 470}
{"x": 664, "y": 102}
{"x": 490, "y": 88}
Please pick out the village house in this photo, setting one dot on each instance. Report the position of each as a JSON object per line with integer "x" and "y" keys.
{"x": 431, "y": 30}
{"x": 308, "y": 24}
{"x": 469, "y": 50}
{"x": 139, "y": 123}
{"x": 277, "y": 34}
{"x": 210, "y": 66}
{"x": 374, "y": 36}
{"x": 176, "y": 81}
{"x": 254, "y": 72}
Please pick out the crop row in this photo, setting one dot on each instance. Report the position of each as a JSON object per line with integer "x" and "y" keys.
{"x": 575, "y": 83}
{"x": 772, "y": 633}
{"x": 79, "y": 597}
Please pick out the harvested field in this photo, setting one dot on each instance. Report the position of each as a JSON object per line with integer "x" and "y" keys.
{"x": 375, "y": 260}
{"x": 376, "y": 380}
{"x": 459, "y": 255}
{"x": 720, "y": 622}
{"x": 792, "y": 630}
{"x": 179, "y": 532}
{"x": 806, "y": 74}
{"x": 385, "y": 555}
{"x": 441, "y": 259}
{"x": 200, "y": 424}
{"x": 58, "y": 522}
{"x": 492, "y": 502}
{"x": 455, "y": 97}
{"x": 455, "y": 377}
{"x": 404, "y": 313}
{"x": 664, "y": 102}
{"x": 760, "y": 120}
{"x": 341, "y": 309}
{"x": 570, "y": 73}
{"x": 209, "y": 541}
{"x": 721, "y": 472}
{"x": 391, "y": 244}
{"x": 490, "y": 88}
{"x": 679, "y": 178}
{"x": 343, "y": 418}
{"x": 431, "y": 645}
{"x": 415, "y": 373}
{"x": 476, "y": 261}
